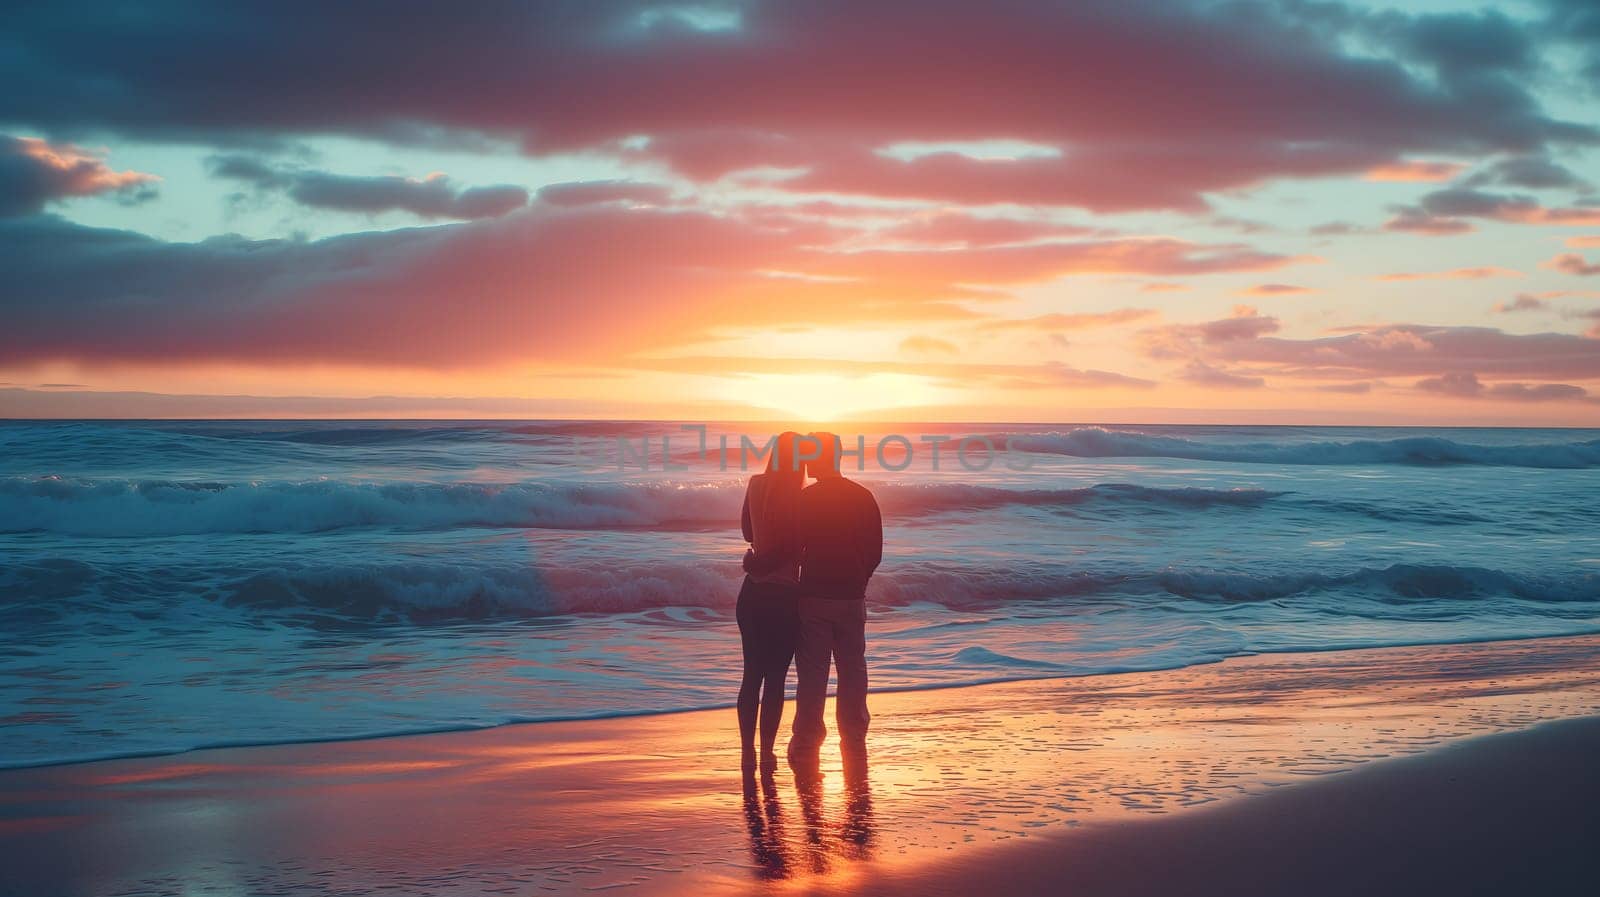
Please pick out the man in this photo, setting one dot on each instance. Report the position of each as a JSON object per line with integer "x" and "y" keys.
{"x": 841, "y": 544}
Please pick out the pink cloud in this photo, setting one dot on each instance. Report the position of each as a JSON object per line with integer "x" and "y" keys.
{"x": 1454, "y": 274}
{"x": 1012, "y": 265}
{"x": 547, "y": 282}
{"x": 1275, "y": 289}
{"x": 1359, "y": 387}
{"x": 1592, "y": 314}
{"x": 1398, "y": 350}
{"x": 963, "y": 229}
{"x": 1449, "y": 359}
{"x": 34, "y": 172}
{"x": 536, "y": 284}
{"x": 1414, "y": 171}
{"x": 1523, "y": 302}
{"x": 927, "y": 345}
{"x": 1468, "y": 386}
{"x": 1202, "y": 374}
{"x": 1464, "y": 384}
{"x": 1045, "y": 375}
{"x": 1418, "y": 222}
{"x": 1185, "y": 340}
{"x": 1573, "y": 263}
{"x": 1071, "y": 321}
{"x": 1102, "y": 179}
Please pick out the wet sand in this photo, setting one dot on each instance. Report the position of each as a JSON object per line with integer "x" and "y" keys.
{"x": 1516, "y": 813}
{"x": 1134, "y": 783}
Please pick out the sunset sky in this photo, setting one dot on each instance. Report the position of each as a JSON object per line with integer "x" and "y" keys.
{"x": 1293, "y": 212}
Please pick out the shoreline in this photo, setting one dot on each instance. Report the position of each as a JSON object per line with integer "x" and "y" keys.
{"x": 159, "y": 753}
{"x": 657, "y": 802}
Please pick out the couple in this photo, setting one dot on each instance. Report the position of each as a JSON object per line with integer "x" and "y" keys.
{"x": 812, "y": 550}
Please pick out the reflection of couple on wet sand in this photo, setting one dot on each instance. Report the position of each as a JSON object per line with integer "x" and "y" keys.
{"x": 812, "y": 551}
{"x": 848, "y": 835}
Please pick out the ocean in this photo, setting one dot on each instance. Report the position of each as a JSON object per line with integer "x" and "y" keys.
{"x": 173, "y": 585}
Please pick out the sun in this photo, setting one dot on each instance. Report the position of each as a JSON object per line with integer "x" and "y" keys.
{"x": 825, "y": 398}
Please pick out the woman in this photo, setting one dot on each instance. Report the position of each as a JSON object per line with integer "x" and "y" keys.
{"x": 769, "y": 621}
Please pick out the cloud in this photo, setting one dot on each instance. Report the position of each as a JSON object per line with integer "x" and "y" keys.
{"x": 818, "y": 162}
{"x": 1048, "y": 375}
{"x": 1110, "y": 178}
{"x": 1337, "y": 229}
{"x": 1442, "y": 212}
{"x": 1449, "y": 359}
{"x": 1411, "y": 219}
{"x": 1532, "y": 172}
{"x": 1187, "y": 340}
{"x": 545, "y": 282}
{"x": 1463, "y": 202}
{"x": 1468, "y": 386}
{"x": 1378, "y": 351}
{"x": 1035, "y": 263}
{"x": 1583, "y": 242}
{"x": 1359, "y": 387}
{"x": 1071, "y": 321}
{"x": 1461, "y": 46}
{"x": 1164, "y": 288}
{"x": 927, "y": 345}
{"x": 1573, "y": 263}
{"x": 786, "y": 85}
{"x": 1540, "y": 301}
{"x": 434, "y": 196}
{"x": 1577, "y": 22}
{"x": 1453, "y": 274}
{"x": 98, "y": 404}
{"x": 1241, "y": 225}
{"x": 1202, "y": 374}
{"x": 1538, "y": 392}
{"x": 583, "y": 193}
{"x": 34, "y": 172}
{"x": 1464, "y": 384}
{"x": 1592, "y": 314}
{"x": 1415, "y": 171}
{"x": 1523, "y": 302}
{"x": 241, "y": 167}
{"x": 1275, "y": 289}
{"x": 547, "y": 285}
{"x": 962, "y": 229}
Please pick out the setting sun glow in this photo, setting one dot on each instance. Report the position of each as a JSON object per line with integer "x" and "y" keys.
{"x": 821, "y": 398}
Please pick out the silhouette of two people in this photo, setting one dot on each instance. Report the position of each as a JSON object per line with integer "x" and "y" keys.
{"x": 813, "y": 550}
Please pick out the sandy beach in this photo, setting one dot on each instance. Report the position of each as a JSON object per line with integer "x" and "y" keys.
{"x": 1242, "y": 777}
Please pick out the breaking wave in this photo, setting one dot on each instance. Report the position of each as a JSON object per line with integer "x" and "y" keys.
{"x": 1097, "y": 442}
{"x": 161, "y": 507}
{"x": 441, "y": 592}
